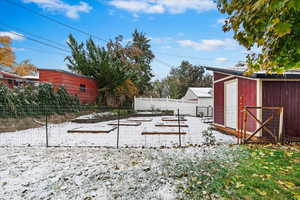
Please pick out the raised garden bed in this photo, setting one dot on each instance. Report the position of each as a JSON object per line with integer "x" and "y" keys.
{"x": 125, "y": 123}
{"x": 140, "y": 119}
{"x": 93, "y": 129}
{"x": 163, "y": 133}
{"x": 172, "y": 124}
{"x": 172, "y": 119}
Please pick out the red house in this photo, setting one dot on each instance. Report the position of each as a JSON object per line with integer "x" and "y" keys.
{"x": 12, "y": 80}
{"x": 233, "y": 90}
{"x": 83, "y": 87}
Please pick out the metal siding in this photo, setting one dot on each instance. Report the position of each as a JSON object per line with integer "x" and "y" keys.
{"x": 286, "y": 94}
{"x": 219, "y": 103}
{"x": 218, "y": 76}
{"x": 71, "y": 84}
{"x": 248, "y": 91}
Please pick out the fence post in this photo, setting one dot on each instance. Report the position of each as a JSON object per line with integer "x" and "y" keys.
{"x": 196, "y": 111}
{"x": 207, "y": 111}
{"x": 179, "y": 127}
{"x": 118, "y": 133}
{"x": 46, "y": 125}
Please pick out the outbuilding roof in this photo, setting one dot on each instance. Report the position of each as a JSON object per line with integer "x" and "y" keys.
{"x": 201, "y": 92}
{"x": 240, "y": 71}
{"x": 66, "y": 72}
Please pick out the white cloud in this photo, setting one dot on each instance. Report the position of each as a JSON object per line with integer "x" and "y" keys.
{"x": 221, "y": 60}
{"x": 208, "y": 45}
{"x": 18, "y": 49}
{"x": 163, "y": 6}
{"x": 71, "y": 11}
{"x": 13, "y": 35}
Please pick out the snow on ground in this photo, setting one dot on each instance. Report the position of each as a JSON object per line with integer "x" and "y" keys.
{"x": 96, "y": 115}
{"x": 128, "y": 135}
{"x": 96, "y": 173}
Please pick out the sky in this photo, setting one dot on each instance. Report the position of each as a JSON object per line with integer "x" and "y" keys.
{"x": 179, "y": 30}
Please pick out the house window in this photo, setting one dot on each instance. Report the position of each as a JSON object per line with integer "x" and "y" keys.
{"x": 82, "y": 88}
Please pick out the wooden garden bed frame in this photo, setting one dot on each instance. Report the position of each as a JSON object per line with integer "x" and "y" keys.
{"x": 141, "y": 120}
{"x": 173, "y": 119}
{"x": 91, "y": 131}
{"x": 130, "y": 123}
{"x": 163, "y": 133}
{"x": 172, "y": 125}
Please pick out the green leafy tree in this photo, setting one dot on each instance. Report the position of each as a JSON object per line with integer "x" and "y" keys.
{"x": 187, "y": 75}
{"x": 180, "y": 79}
{"x": 272, "y": 25}
{"x": 142, "y": 59}
{"x": 109, "y": 67}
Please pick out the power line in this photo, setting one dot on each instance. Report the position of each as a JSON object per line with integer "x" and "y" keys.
{"x": 54, "y": 20}
{"x": 40, "y": 50}
{"x": 41, "y": 42}
{"x": 162, "y": 62}
{"x": 80, "y": 30}
{"x": 33, "y": 35}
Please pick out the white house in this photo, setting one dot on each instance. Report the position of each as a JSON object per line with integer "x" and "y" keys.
{"x": 202, "y": 95}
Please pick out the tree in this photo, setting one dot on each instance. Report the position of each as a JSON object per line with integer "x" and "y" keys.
{"x": 187, "y": 75}
{"x": 7, "y": 57}
{"x": 142, "y": 59}
{"x": 180, "y": 79}
{"x": 108, "y": 66}
{"x": 24, "y": 68}
{"x": 272, "y": 25}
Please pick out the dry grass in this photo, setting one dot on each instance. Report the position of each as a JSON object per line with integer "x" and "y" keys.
{"x": 17, "y": 124}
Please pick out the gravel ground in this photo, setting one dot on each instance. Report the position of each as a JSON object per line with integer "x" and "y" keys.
{"x": 129, "y": 135}
{"x": 96, "y": 173}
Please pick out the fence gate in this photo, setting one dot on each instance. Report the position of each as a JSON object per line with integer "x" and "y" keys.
{"x": 271, "y": 124}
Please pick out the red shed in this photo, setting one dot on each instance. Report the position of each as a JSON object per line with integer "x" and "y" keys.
{"x": 233, "y": 90}
{"x": 83, "y": 87}
{"x": 12, "y": 80}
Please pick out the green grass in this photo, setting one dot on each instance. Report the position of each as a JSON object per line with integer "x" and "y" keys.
{"x": 263, "y": 172}
{"x": 267, "y": 173}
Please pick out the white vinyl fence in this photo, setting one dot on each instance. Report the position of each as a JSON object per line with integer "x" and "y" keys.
{"x": 185, "y": 107}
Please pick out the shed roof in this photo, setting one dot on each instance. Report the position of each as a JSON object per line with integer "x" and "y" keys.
{"x": 201, "y": 92}
{"x": 240, "y": 71}
{"x": 10, "y": 75}
{"x": 66, "y": 72}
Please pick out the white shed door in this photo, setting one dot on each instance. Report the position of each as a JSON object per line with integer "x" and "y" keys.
{"x": 231, "y": 104}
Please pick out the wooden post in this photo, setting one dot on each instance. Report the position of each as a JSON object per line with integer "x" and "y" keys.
{"x": 280, "y": 125}
{"x": 240, "y": 120}
{"x": 47, "y": 143}
{"x": 118, "y": 133}
{"x": 179, "y": 128}
{"x": 245, "y": 126}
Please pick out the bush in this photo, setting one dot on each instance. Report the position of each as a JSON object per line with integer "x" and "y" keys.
{"x": 209, "y": 137}
{"x": 28, "y": 100}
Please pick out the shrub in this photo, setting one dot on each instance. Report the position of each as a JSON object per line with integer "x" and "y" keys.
{"x": 209, "y": 137}
{"x": 28, "y": 100}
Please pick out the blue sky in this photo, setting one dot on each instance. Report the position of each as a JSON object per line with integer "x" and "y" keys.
{"x": 180, "y": 29}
